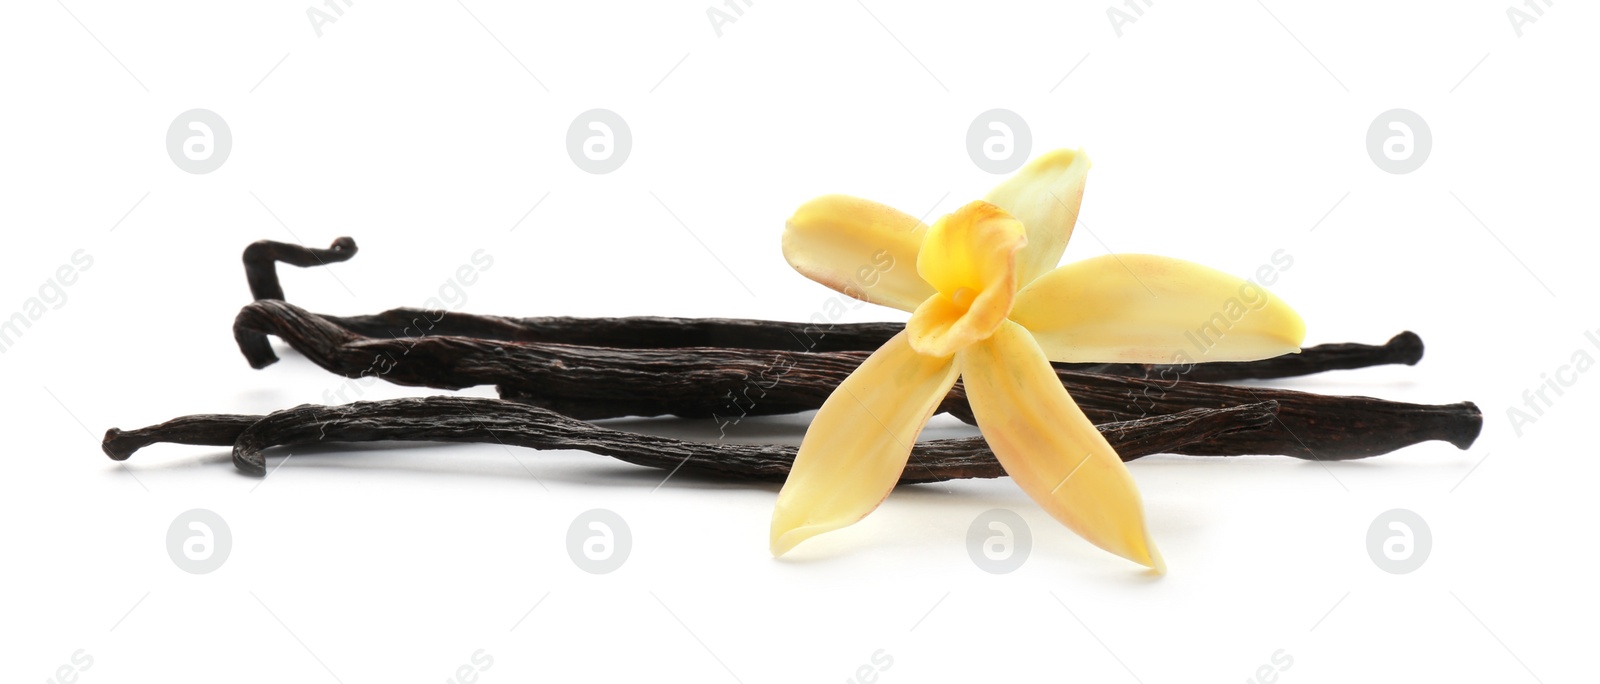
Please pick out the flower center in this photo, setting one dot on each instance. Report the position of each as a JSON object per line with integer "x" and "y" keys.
{"x": 963, "y": 298}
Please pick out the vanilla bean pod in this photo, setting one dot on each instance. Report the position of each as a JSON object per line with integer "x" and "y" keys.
{"x": 1405, "y": 348}
{"x": 632, "y": 332}
{"x": 471, "y": 419}
{"x": 1310, "y": 426}
{"x": 206, "y": 429}
{"x": 652, "y": 332}
{"x": 655, "y": 332}
{"x": 262, "y": 256}
{"x": 728, "y": 384}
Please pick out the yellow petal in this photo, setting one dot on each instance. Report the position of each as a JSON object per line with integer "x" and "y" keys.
{"x": 861, "y": 248}
{"x": 969, "y": 256}
{"x": 1138, "y": 308}
{"x": 858, "y": 443}
{"x": 1049, "y": 448}
{"x": 1044, "y": 196}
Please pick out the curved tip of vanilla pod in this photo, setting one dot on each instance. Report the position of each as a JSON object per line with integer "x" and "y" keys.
{"x": 1471, "y": 426}
{"x": 248, "y": 460}
{"x": 1409, "y": 345}
{"x": 345, "y": 244}
{"x": 114, "y": 446}
{"x": 261, "y": 260}
{"x": 253, "y": 344}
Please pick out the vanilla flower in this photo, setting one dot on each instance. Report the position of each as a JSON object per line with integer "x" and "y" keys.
{"x": 990, "y": 306}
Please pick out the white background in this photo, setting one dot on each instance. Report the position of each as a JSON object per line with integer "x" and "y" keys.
{"x": 427, "y": 131}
